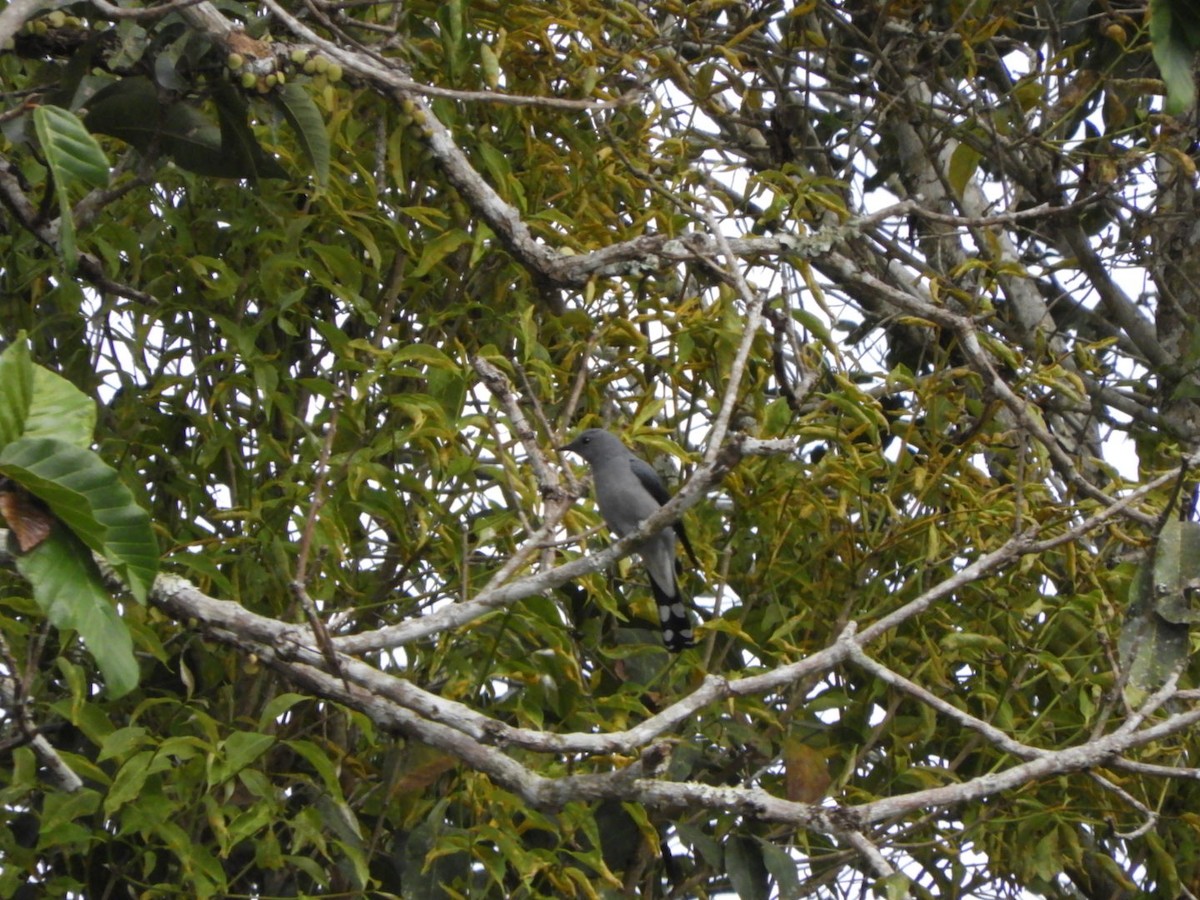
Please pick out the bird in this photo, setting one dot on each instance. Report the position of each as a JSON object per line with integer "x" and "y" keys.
{"x": 628, "y": 491}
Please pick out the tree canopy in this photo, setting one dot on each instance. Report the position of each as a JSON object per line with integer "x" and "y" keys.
{"x": 300, "y": 298}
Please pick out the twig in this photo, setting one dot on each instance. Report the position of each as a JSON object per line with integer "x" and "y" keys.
{"x": 299, "y": 583}
{"x": 142, "y": 14}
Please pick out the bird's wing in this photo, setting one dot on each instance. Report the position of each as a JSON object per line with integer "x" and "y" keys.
{"x": 649, "y": 479}
{"x": 653, "y": 484}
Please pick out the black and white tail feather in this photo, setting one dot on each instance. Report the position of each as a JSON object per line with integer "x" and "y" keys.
{"x": 628, "y": 491}
{"x": 674, "y": 619}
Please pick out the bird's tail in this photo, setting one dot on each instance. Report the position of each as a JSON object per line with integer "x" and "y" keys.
{"x": 674, "y": 618}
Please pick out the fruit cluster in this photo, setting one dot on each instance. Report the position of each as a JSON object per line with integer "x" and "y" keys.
{"x": 52, "y": 21}
{"x": 306, "y": 61}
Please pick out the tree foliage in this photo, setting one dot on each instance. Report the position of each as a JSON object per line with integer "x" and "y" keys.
{"x": 901, "y": 297}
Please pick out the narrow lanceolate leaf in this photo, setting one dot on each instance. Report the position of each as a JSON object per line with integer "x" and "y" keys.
{"x": 68, "y": 587}
{"x": 86, "y": 495}
{"x": 438, "y": 249}
{"x": 16, "y": 389}
{"x": 297, "y": 106}
{"x": 74, "y": 158}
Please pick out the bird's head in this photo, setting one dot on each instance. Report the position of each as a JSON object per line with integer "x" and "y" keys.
{"x": 595, "y": 444}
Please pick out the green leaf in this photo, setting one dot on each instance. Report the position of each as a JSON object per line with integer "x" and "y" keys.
{"x": 1154, "y": 638}
{"x": 130, "y": 109}
{"x": 68, "y": 588}
{"x": 1150, "y": 647}
{"x": 1174, "y": 53}
{"x": 60, "y": 410}
{"x": 241, "y": 154}
{"x": 131, "y": 778}
{"x": 427, "y": 354}
{"x": 490, "y": 63}
{"x": 438, "y": 249}
{"x": 60, "y": 809}
{"x": 73, "y": 154}
{"x": 1177, "y": 571}
{"x": 894, "y": 887}
{"x": 321, "y": 762}
{"x": 127, "y": 109}
{"x": 88, "y": 497}
{"x": 239, "y": 750}
{"x": 251, "y": 821}
{"x": 35, "y": 402}
{"x": 782, "y": 867}
{"x": 74, "y": 158}
{"x": 122, "y": 742}
{"x": 618, "y": 835}
{"x": 301, "y": 112}
{"x": 746, "y": 868}
{"x": 16, "y": 389}
{"x": 963, "y": 163}
{"x": 277, "y": 707}
{"x": 694, "y": 837}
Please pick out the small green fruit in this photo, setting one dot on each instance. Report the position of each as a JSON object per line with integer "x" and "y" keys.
{"x": 334, "y": 72}
{"x": 310, "y": 66}
{"x": 249, "y": 80}
{"x": 322, "y": 65}
{"x": 299, "y": 57}
{"x": 235, "y": 61}
{"x": 56, "y": 19}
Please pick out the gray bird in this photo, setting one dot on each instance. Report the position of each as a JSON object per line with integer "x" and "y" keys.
{"x": 628, "y": 491}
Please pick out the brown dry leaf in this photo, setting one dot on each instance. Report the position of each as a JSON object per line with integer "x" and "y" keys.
{"x": 422, "y": 776}
{"x": 806, "y": 774}
{"x": 28, "y": 518}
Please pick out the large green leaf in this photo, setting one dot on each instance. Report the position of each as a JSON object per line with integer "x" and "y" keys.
{"x": 16, "y": 390}
{"x": 1177, "y": 571}
{"x": 1151, "y": 645}
{"x": 60, "y": 410}
{"x": 72, "y": 153}
{"x": 69, "y": 589}
{"x": 240, "y": 155}
{"x": 196, "y": 144}
{"x": 132, "y": 110}
{"x": 35, "y": 402}
{"x": 87, "y": 496}
{"x": 1175, "y": 38}
{"x": 74, "y": 158}
{"x": 127, "y": 109}
{"x": 302, "y": 114}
